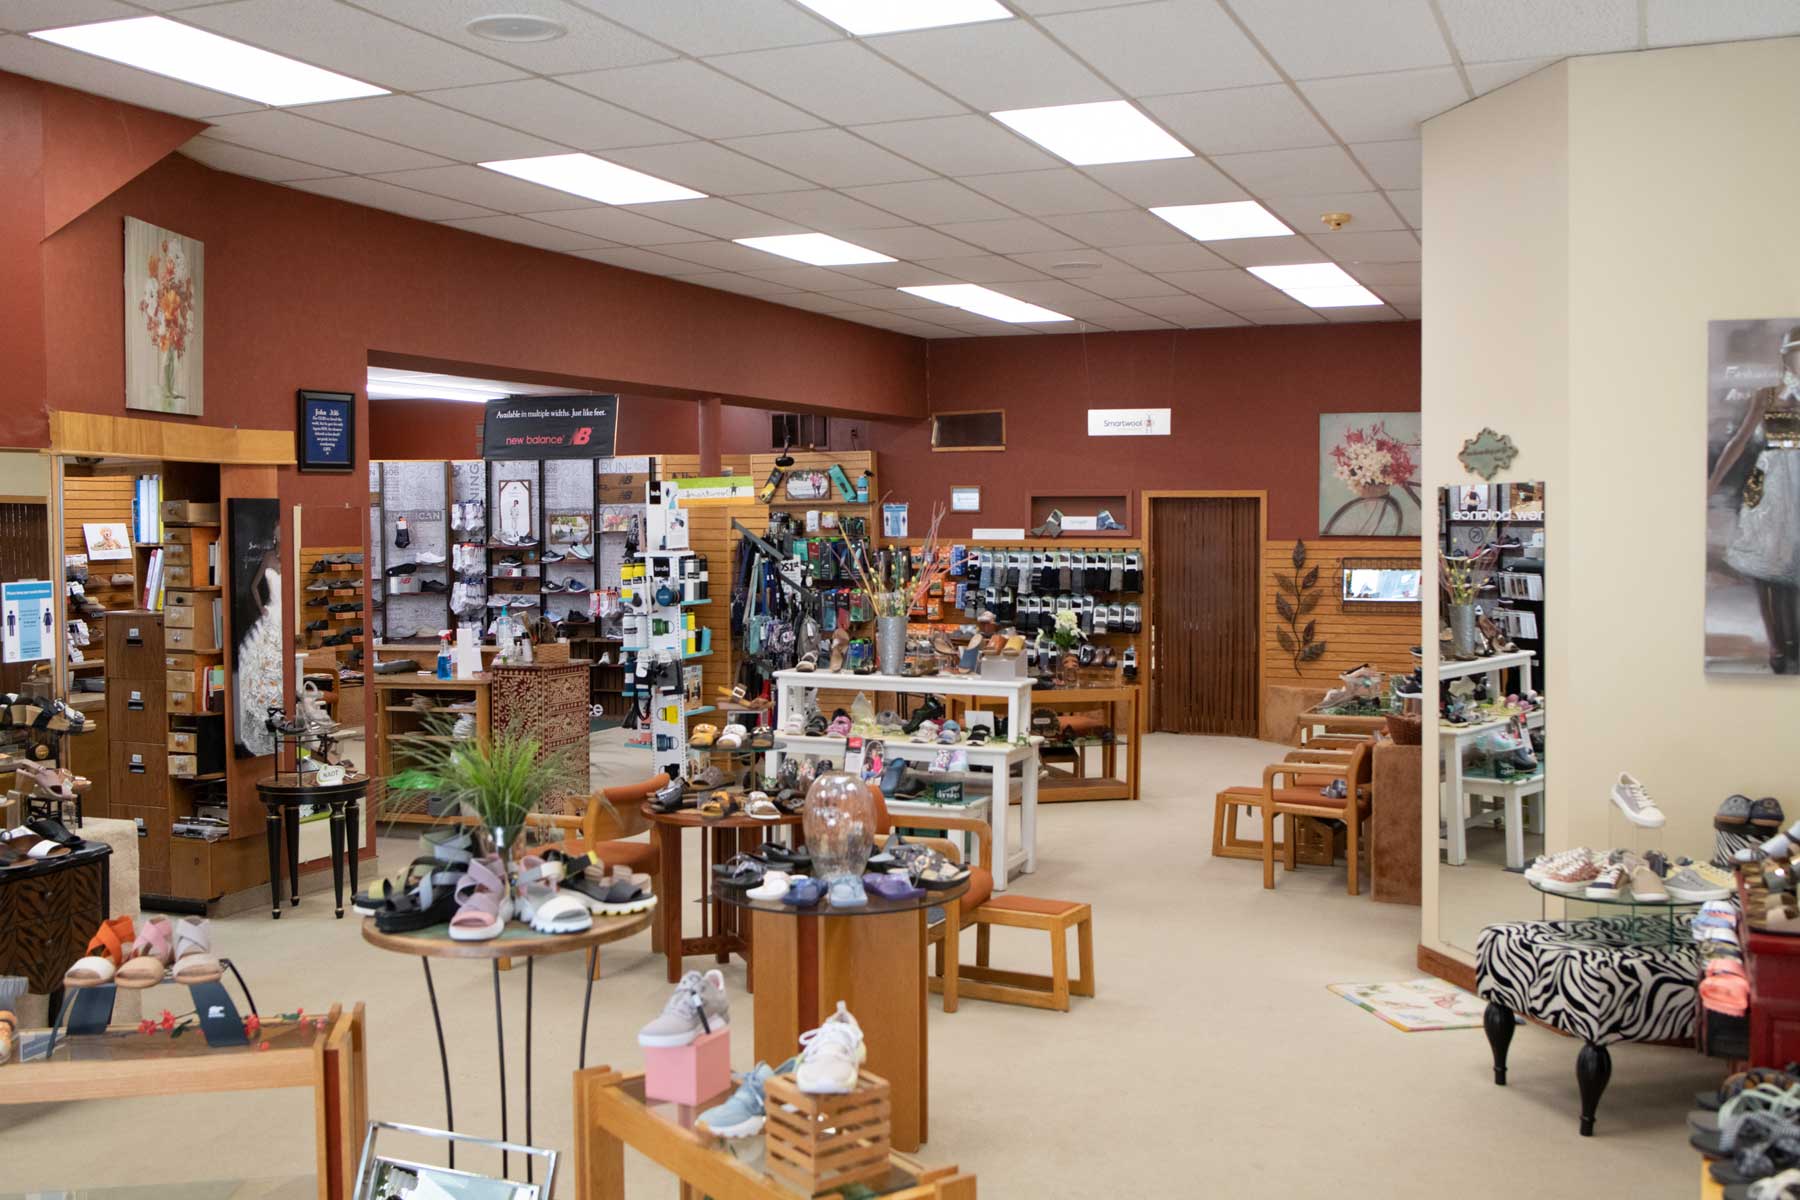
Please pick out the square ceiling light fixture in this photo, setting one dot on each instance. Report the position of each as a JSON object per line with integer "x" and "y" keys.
{"x": 866, "y": 17}
{"x": 1110, "y": 131}
{"x": 1317, "y": 285}
{"x": 1223, "y": 222}
{"x": 177, "y": 51}
{"x": 819, "y": 249}
{"x": 985, "y": 302}
{"x": 594, "y": 178}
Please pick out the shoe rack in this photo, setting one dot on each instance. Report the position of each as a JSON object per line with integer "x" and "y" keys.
{"x": 420, "y": 493}
{"x": 326, "y": 655}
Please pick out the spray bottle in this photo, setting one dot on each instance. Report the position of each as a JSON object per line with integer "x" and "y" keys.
{"x": 445, "y": 665}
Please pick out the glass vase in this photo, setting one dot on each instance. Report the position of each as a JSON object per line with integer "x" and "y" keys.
{"x": 840, "y": 832}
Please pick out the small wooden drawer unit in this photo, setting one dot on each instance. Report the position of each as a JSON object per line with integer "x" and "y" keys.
{"x": 134, "y": 645}
{"x": 200, "y": 637}
{"x": 182, "y": 674}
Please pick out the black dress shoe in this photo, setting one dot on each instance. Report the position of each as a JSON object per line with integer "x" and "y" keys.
{"x": 931, "y": 710}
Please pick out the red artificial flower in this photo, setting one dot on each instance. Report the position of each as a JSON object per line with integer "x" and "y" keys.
{"x": 168, "y": 1020}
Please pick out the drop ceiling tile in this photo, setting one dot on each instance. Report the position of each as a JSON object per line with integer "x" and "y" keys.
{"x": 1098, "y": 309}
{"x": 803, "y": 278}
{"x": 896, "y": 274}
{"x": 523, "y": 229}
{"x": 373, "y": 193}
{"x": 1377, "y": 274}
{"x": 1127, "y": 285}
{"x": 701, "y": 27}
{"x": 982, "y": 268}
{"x": 350, "y": 41}
{"x": 694, "y": 97}
{"x": 1284, "y": 316}
{"x": 1137, "y": 322}
{"x": 829, "y": 305}
{"x": 1239, "y": 120}
{"x": 410, "y": 121}
{"x": 490, "y": 189}
{"x": 1129, "y": 228}
{"x": 627, "y": 227}
{"x": 930, "y": 201}
{"x": 241, "y": 160}
{"x": 1015, "y": 236}
{"x": 591, "y": 42}
{"x": 1485, "y": 77}
{"x": 1175, "y": 256}
{"x": 1345, "y": 37}
{"x": 52, "y": 14}
{"x": 1093, "y": 262}
{"x": 1047, "y": 193}
{"x": 1371, "y": 247}
{"x": 1393, "y": 164}
{"x": 720, "y": 255}
{"x": 841, "y": 81}
{"x": 900, "y": 324}
{"x": 1411, "y": 203}
{"x": 313, "y": 141}
{"x": 648, "y": 261}
{"x": 71, "y": 68}
{"x": 1235, "y": 290}
{"x": 561, "y": 114}
{"x": 914, "y": 243}
{"x": 1397, "y": 293}
{"x": 1180, "y": 309}
{"x": 1049, "y": 292}
{"x": 1037, "y": 7}
{"x": 706, "y": 167}
{"x": 994, "y": 66}
{"x": 1677, "y": 23}
{"x": 1358, "y": 315}
{"x": 1409, "y": 310}
{"x": 828, "y": 156}
{"x": 1385, "y": 108}
{"x": 829, "y": 212}
{"x": 728, "y": 282}
{"x": 888, "y": 298}
{"x": 1486, "y": 32}
{"x": 1368, "y": 212}
{"x": 1269, "y": 252}
{"x": 1170, "y": 181}
{"x": 966, "y": 145}
{"x": 1295, "y": 172}
{"x": 1169, "y": 46}
{"x": 717, "y": 218}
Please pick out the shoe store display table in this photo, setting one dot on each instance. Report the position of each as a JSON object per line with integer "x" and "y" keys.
{"x": 612, "y": 1112}
{"x": 1124, "y": 717}
{"x": 872, "y": 957}
{"x": 282, "y": 796}
{"x": 1452, "y": 796}
{"x": 722, "y": 933}
{"x": 1510, "y": 793}
{"x": 327, "y": 1054}
{"x": 1633, "y": 977}
{"x": 48, "y": 911}
{"x": 516, "y": 941}
{"x": 1491, "y": 666}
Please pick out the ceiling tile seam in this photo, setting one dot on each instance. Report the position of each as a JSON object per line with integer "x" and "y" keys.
{"x": 1456, "y": 58}
{"x": 692, "y": 134}
{"x": 330, "y": 172}
{"x": 827, "y": 40}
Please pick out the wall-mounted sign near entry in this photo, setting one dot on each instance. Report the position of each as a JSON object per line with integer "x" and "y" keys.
{"x": 527, "y": 427}
{"x": 1487, "y": 454}
{"x": 30, "y": 620}
{"x": 965, "y": 499}
{"x": 327, "y": 431}
{"x": 1128, "y": 422}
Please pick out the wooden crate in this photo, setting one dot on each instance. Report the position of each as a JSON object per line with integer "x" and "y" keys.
{"x": 826, "y": 1142}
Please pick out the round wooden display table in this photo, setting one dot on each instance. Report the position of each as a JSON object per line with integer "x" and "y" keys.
{"x": 282, "y": 794}
{"x": 723, "y": 932}
{"x": 516, "y": 941}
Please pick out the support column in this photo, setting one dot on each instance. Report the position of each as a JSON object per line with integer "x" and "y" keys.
{"x": 708, "y": 419}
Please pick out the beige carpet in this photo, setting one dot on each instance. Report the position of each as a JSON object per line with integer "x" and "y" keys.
{"x": 1212, "y": 1063}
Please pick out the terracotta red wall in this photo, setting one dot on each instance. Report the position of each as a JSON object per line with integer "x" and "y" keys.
{"x": 1245, "y": 415}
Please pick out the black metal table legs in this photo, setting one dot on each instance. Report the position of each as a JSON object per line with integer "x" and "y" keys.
{"x": 272, "y": 828}
{"x": 437, "y": 1022}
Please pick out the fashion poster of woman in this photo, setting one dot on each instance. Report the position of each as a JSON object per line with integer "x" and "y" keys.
{"x": 1753, "y": 497}
{"x": 255, "y": 622}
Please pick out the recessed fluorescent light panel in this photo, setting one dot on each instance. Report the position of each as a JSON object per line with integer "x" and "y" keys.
{"x": 165, "y": 47}
{"x": 594, "y": 178}
{"x": 819, "y": 249}
{"x": 865, "y": 17}
{"x": 1318, "y": 285}
{"x": 985, "y": 302}
{"x": 1111, "y": 131}
{"x": 1223, "y": 222}
{"x": 389, "y": 389}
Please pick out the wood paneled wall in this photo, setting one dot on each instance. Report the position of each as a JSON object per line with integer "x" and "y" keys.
{"x": 1382, "y": 639}
{"x": 709, "y": 533}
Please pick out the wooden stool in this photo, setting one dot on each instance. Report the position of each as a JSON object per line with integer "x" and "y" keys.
{"x": 982, "y": 982}
{"x": 1225, "y": 842}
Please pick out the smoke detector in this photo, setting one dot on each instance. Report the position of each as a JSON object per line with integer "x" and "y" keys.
{"x": 516, "y": 27}
{"x": 1335, "y": 221}
{"x": 1073, "y": 268}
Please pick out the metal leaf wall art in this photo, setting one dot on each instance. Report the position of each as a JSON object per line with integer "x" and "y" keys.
{"x": 1297, "y": 598}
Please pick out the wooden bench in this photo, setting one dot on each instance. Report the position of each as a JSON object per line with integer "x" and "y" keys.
{"x": 1055, "y": 917}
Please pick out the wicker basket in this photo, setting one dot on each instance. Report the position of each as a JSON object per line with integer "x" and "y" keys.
{"x": 820, "y": 1143}
{"x": 1406, "y": 730}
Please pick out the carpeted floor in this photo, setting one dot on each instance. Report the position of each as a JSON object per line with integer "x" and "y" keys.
{"x": 1214, "y": 1062}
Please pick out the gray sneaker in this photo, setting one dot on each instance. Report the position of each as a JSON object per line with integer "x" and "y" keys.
{"x": 743, "y": 1115}
{"x": 698, "y": 1006}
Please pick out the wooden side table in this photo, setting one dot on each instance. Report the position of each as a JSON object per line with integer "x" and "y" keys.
{"x": 723, "y": 932}
{"x": 48, "y": 912}
{"x": 282, "y": 795}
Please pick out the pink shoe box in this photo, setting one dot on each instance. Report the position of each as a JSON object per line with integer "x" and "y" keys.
{"x": 690, "y": 1074}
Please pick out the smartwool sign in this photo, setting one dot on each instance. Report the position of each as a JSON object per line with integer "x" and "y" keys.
{"x": 1128, "y": 422}
{"x": 550, "y": 427}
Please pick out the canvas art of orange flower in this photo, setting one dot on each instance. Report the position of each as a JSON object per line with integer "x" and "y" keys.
{"x": 166, "y": 302}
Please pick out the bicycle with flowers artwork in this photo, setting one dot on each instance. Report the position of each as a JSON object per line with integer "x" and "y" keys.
{"x": 165, "y": 308}
{"x": 1368, "y": 475}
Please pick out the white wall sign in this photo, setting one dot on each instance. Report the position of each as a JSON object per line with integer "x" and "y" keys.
{"x": 30, "y": 620}
{"x": 1128, "y": 422}
{"x": 965, "y": 498}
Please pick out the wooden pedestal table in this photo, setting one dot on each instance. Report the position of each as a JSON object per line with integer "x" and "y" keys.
{"x": 1123, "y": 717}
{"x": 282, "y": 795}
{"x": 517, "y": 941}
{"x": 872, "y": 957}
{"x": 331, "y": 1059}
{"x": 722, "y": 932}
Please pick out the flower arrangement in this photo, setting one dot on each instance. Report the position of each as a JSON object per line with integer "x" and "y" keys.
{"x": 1066, "y": 632}
{"x": 166, "y": 302}
{"x": 898, "y": 597}
{"x": 1370, "y": 461}
{"x": 1458, "y": 575}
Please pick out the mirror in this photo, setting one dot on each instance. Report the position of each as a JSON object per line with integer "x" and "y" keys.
{"x": 1490, "y": 718}
{"x": 384, "y": 1174}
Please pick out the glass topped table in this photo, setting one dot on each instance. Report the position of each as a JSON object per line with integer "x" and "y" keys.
{"x": 1654, "y": 922}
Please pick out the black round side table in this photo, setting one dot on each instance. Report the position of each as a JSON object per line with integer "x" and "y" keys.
{"x": 282, "y": 795}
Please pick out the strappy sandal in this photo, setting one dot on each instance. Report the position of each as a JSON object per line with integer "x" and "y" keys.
{"x": 808, "y": 661}
{"x": 940, "y": 875}
{"x": 377, "y": 895}
{"x": 53, "y": 830}
{"x": 840, "y": 642}
{"x": 105, "y": 951}
{"x": 536, "y": 886}
{"x": 429, "y": 901}
{"x": 613, "y": 896}
{"x": 732, "y": 737}
{"x": 150, "y": 955}
{"x": 483, "y": 903}
{"x": 758, "y": 805}
{"x": 741, "y": 871}
{"x": 194, "y": 959}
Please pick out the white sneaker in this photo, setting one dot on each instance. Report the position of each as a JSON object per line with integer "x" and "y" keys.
{"x": 1636, "y": 804}
{"x": 774, "y": 886}
{"x": 831, "y": 1055}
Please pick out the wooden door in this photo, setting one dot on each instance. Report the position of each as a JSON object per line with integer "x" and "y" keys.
{"x": 1205, "y": 563}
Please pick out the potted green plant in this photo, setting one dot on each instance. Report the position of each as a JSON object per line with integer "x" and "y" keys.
{"x": 499, "y": 783}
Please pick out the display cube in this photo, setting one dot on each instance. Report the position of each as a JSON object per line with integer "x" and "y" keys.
{"x": 995, "y": 667}
{"x": 821, "y": 1143}
{"x": 699, "y": 1071}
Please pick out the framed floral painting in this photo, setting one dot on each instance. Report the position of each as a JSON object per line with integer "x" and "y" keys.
{"x": 1369, "y": 474}
{"x": 165, "y": 321}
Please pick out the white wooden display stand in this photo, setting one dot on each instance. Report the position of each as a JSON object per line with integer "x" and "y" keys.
{"x": 1452, "y": 797}
{"x": 790, "y": 687}
{"x": 1511, "y": 795}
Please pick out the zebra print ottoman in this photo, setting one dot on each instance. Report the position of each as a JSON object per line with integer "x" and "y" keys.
{"x": 1601, "y": 979}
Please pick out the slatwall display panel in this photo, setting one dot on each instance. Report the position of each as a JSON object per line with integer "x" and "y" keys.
{"x": 569, "y": 521}
{"x": 468, "y": 483}
{"x": 416, "y": 491}
{"x": 1384, "y": 640}
{"x": 91, "y": 499}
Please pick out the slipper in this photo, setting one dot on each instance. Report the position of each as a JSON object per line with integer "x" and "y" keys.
{"x": 194, "y": 959}
{"x": 762, "y": 738}
{"x": 774, "y": 886}
{"x": 703, "y": 736}
{"x": 891, "y": 887}
{"x": 941, "y": 875}
{"x": 758, "y": 805}
{"x": 562, "y": 914}
{"x": 151, "y": 955}
{"x": 732, "y": 737}
{"x": 804, "y": 892}
{"x": 741, "y": 872}
{"x": 483, "y": 905}
{"x": 718, "y": 806}
{"x": 816, "y": 725}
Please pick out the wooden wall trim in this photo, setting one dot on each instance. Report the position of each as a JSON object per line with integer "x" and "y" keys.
{"x": 1450, "y": 970}
{"x": 97, "y": 434}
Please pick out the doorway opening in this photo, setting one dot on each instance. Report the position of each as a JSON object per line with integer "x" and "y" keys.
{"x": 1205, "y": 611}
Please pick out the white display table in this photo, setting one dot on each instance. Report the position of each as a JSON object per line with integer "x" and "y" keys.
{"x": 1452, "y": 796}
{"x": 1491, "y": 666}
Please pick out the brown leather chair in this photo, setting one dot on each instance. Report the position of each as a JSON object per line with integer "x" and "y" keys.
{"x": 600, "y": 830}
{"x": 1292, "y": 789}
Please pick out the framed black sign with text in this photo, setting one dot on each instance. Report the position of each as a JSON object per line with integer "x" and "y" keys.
{"x": 528, "y": 427}
{"x": 327, "y": 431}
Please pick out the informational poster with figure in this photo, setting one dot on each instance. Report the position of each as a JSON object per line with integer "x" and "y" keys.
{"x": 29, "y": 612}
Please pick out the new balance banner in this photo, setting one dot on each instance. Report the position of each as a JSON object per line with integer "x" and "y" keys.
{"x": 550, "y": 427}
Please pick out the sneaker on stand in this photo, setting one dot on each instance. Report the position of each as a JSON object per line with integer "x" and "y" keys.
{"x": 697, "y": 1006}
{"x": 831, "y": 1055}
{"x": 1636, "y": 804}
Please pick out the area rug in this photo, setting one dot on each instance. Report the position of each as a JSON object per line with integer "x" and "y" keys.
{"x": 1416, "y": 1005}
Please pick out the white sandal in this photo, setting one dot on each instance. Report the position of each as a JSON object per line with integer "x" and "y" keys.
{"x": 194, "y": 959}
{"x": 562, "y": 914}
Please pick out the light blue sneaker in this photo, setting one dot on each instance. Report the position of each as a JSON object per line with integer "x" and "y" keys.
{"x": 742, "y": 1115}
{"x": 846, "y": 891}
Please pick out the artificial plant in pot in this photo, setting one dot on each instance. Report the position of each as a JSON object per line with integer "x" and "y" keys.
{"x": 499, "y": 783}
{"x": 1065, "y": 634}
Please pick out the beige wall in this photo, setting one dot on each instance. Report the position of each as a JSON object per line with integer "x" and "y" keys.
{"x": 24, "y": 473}
{"x": 1581, "y": 228}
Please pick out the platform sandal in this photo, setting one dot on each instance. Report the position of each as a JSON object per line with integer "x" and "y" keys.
{"x": 483, "y": 903}
{"x": 149, "y": 956}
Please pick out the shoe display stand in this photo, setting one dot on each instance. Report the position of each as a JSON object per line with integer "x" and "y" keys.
{"x": 325, "y": 1054}
{"x": 1485, "y": 795}
{"x": 1070, "y": 767}
{"x": 337, "y": 645}
{"x": 1001, "y": 757}
{"x": 657, "y": 589}
{"x": 612, "y": 1113}
{"x": 397, "y": 722}
{"x": 723, "y": 931}
{"x": 417, "y": 492}
{"x": 1453, "y": 807}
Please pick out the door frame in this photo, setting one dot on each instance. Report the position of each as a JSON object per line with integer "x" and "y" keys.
{"x": 1148, "y": 502}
